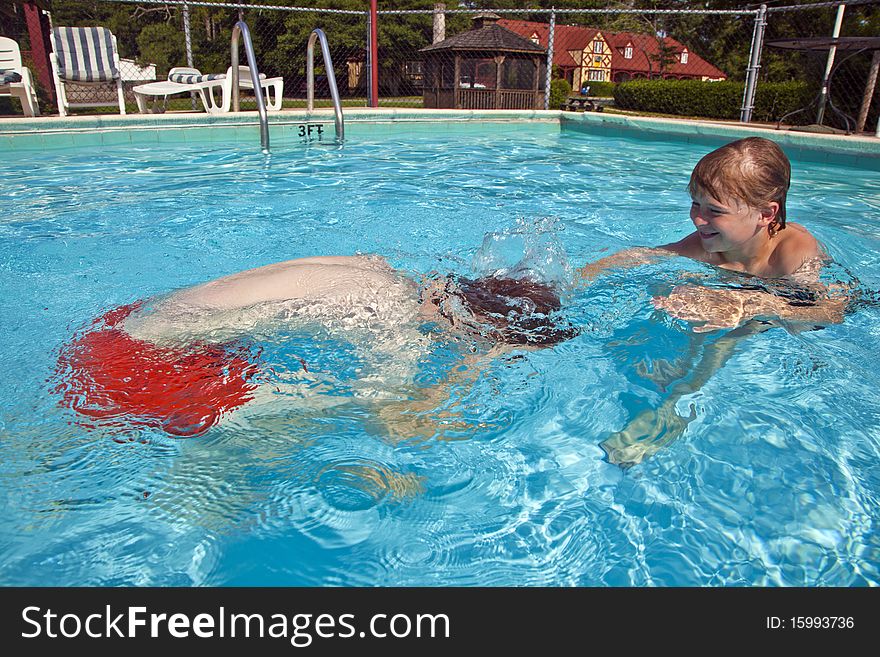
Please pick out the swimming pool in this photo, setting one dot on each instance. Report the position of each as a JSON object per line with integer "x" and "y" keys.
{"x": 775, "y": 480}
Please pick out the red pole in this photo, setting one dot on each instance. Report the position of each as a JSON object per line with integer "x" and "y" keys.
{"x": 374, "y": 56}
{"x": 38, "y": 31}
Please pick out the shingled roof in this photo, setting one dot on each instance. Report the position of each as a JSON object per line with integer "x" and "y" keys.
{"x": 489, "y": 37}
{"x": 565, "y": 35}
{"x": 644, "y": 56}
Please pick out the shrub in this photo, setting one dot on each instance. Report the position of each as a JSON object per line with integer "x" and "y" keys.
{"x": 601, "y": 88}
{"x": 559, "y": 91}
{"x": 716, "y": 100}
{"x": 773, "y": 100}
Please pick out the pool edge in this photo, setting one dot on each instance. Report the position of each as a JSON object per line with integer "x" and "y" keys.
{"x": 19, "y": 133}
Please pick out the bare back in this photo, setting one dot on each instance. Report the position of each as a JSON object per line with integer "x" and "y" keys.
{"x": 355, "y": 290}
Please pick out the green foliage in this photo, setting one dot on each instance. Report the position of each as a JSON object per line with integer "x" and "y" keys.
{"x": 720, "y": 100}
{"x": 775, "y": 99}
{"x": 559, "y": 91}
{"x": 716, "y": 100}
{"x": 601, "y": 88}
{"x": 163, "y": 45}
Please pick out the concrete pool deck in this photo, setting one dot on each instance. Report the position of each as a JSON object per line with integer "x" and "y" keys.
{"x": 49, "y": 132}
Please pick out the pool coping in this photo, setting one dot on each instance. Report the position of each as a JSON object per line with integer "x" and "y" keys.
{"x": 858, "y": 145}
{"x": 17, "y": 125}
{"x": 26, "y": 132}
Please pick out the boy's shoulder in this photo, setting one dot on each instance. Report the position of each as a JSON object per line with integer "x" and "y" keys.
{"x": 796, "y": 246}
{"x": 689, "y": 247}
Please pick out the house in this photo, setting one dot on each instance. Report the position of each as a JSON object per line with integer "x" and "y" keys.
{"x": 586, "y": 54}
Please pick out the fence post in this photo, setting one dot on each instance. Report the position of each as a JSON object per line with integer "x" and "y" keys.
{"x": 374, "y": 56}
{"x": 550, "y": 36}
{"x": 38, "y": 31}
{"x": 869, "y": 91}
{"x": 187, "y": 36}
{"x": 832, "y": 51}
{"x": 748, "y": 105}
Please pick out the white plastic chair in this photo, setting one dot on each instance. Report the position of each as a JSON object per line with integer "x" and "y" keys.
{"x": 273, "y": 88}
{"x": 10, "y": 61}
{"x": 181, "y": 80}
{"x": 184, "y": 79}
{"x": 85, "y": 56}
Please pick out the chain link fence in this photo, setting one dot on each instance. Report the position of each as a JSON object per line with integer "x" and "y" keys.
{"x": 437, "y": 55}
{"x": 852, "y": 95}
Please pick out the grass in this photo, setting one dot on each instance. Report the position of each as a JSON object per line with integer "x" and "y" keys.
{"x": 182, "y": 103}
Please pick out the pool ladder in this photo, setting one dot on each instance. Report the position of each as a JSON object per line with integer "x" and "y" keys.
{"x": 241, "y": 28}
{"x": 317, "y": 34}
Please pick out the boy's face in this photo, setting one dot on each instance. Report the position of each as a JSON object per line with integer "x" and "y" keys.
{"x": 727, "y": 224}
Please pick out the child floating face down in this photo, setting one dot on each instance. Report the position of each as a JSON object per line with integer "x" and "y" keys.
{"x": 177, "y": 363}
{"x": 738, "y": 195}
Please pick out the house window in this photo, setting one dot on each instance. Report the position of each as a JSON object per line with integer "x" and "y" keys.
{"x": 598, "y": 47}
{"x": 628, "y": 53}
{"x": 597, "y": 76}
{"x": 684, "y": 57}
{"x": 597, "y": 60}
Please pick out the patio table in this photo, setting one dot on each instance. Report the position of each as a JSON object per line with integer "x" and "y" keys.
{"x": 817, "y": 46}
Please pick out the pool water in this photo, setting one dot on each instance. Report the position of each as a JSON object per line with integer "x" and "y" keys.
{"x": 767, "y": 467}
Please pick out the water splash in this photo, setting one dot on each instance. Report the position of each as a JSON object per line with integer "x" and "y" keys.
{"x": 530, "y": 249}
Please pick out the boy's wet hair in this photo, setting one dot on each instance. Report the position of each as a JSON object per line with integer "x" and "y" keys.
{"x": 515, "y": 311}
{"x": 753, "y": 170}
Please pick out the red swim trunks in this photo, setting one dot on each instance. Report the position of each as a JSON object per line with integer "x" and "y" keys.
{"x": 108, "y": 375}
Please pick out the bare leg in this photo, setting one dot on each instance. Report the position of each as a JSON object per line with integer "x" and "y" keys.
{"x": 665, "y": 372}
{"x": 653, "y": 429}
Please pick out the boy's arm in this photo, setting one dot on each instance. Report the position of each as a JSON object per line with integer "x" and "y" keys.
{"x": 621, "y": 260}
{"x": 714, "y": 308}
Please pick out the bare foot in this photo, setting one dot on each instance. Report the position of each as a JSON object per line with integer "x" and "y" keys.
{"x": 645, "y": 434}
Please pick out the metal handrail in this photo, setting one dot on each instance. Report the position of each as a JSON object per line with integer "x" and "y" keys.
{"x": 318, "y": 33}
{"x": 242, "y": 28}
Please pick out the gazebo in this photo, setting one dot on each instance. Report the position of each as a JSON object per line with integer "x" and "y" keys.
{"x": 487, "y": 67}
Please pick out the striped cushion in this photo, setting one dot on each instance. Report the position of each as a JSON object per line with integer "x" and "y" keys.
{"x": 85, "y": 54}
{"x": 193, "y": 78}
{"x": 8, "y": 77}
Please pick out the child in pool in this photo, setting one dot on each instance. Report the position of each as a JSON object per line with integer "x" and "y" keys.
{"x": 738, "y": 195}
{"x": 178, "y": 363}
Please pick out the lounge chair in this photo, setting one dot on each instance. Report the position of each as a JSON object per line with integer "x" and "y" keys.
{"x": 184, "y": 79}
{"x": 15, "y": 79}
{"x": 85, "y": 56}
{"x": 181, "y": 80}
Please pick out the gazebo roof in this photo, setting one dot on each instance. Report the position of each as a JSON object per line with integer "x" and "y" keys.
{"x": 489, "y": 37}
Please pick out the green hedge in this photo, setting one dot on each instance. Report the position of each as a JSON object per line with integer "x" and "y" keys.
{"x": 774, "y": 99}
{"x": 716, "y": 100}
{"x": 559, "y": 91}
{"x": 601, "y": 88}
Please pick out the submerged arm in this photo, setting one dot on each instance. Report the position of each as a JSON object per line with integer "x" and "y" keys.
{"x": 416, "y": 412}
{"x": 719, "y": 308}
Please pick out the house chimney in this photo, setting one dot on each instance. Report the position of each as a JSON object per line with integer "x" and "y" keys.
{"x": 439, "y": 22}
{"x": 485, "y": 20}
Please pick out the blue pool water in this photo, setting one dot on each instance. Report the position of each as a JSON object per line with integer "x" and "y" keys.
{"x": 774, "y": 481}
